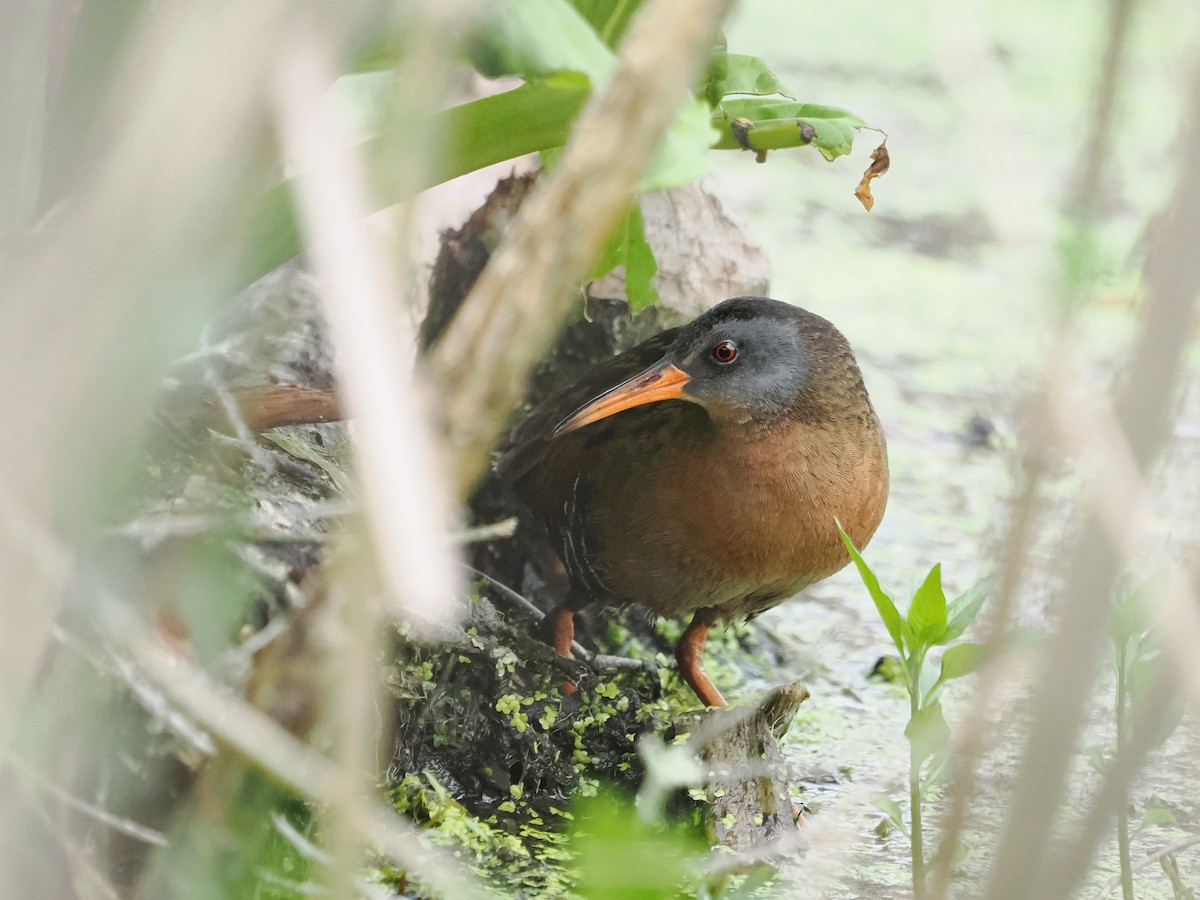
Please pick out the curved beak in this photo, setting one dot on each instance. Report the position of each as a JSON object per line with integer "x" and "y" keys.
{"x": 662, "y": 381}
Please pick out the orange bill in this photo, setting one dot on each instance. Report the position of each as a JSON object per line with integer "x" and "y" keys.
{"x": 661, "y": 382}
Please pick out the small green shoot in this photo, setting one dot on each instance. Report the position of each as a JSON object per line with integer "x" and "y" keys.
{"x": 931, "y": 622}
{"x": 1137, "y": 661}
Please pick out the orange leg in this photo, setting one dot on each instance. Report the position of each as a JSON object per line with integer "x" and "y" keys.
{"x": 561, "y": 627}
{"x": 688, "y": 654}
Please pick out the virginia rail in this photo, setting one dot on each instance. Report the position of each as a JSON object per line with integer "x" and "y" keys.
{"x": 705, "y": 469}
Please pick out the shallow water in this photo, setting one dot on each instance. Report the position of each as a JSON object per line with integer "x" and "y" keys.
{"x": 947, "y": 290}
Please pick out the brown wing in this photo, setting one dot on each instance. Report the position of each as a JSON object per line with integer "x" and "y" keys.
{"x": 528, "y": 444}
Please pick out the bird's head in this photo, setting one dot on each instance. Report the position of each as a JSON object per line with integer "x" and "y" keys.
{"x": 747, "y": 361}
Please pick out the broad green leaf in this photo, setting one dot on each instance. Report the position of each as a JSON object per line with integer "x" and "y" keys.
{"x": 775, "y": 123}
{"x": 609, "y": 18}
{"x": 627, "y": 247}
{"x": 1158, "y": 815}
{"x": 640, "y": 266}
{"x": 683, "y": 156}
{"x": 928, "y": 732}
{"x": 958, "y": 661}
{"x": 492, "y": 129}
{"x": 891, "y": 809}
{"x": 1128, "y": 619}
{"x": 1145, "y": 680}
{"x": 736, "y": 73}
{"x": 962, "y": 610}
{"x": 536, "y": 38}
{"x": 382, "y": 52}
{"x": 927, "y": 611}
{"x": 883, "y": 600}
{"x": 961, "y": 660}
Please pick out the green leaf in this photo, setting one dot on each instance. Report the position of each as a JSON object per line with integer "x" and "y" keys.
{"x": 609, "y": 18}
{"x": 1158, "y": 815}
{"x": 383, "y": 51}
{"x": 1144, "y": 676}
{"x": 536, "y": 38}
{"x": 927, "y": 611}
{"x": 963, "y": 609}
{"x": 640, "y": 266}
{"x": 928, "y": 732}
{"x": 683, "y": 156}
{"x": 957, "y": 661}
{"x": 492, "y": 129}
{"x": 883, "y": 600}
{"x": 627, "y": 247}
{"x": 962, "y": 659}
{"x": 1129, "y": 619}
{"x": 736, "y": 73}
{"x": 775, "y": 123}
{"x": 891, "y": 809}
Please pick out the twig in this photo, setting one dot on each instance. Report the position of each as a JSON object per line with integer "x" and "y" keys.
{"x": 405, "y": 498}
{"x": 1176, "y": 612}
{"x": 242, "y": 432}
{"x": 505, "y": 528}
{"x": 265, "y": 743}
{"x": 1120, "y": 444}
{"x": 527, "y": 607}
{"x": 1071, "y": 658}
{"x": 127, "y": 827}
{"x": 1170, "y": 867}
{"x": 276, "y": 405}
{"x": 1151, "y": 860}
{"x": 596, "y": 660}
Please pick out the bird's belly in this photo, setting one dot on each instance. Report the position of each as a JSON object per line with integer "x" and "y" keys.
{"x": 741, "y": 536}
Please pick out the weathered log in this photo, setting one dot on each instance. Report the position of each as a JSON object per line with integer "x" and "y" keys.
{"x": 749, "y": 804}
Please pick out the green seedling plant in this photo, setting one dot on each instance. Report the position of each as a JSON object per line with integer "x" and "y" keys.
{"x": 931, "y": 621}
{"x": 1137, "y": 664}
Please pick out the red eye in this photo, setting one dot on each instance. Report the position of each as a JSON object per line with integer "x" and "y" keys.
{"x": 725, "y": 352}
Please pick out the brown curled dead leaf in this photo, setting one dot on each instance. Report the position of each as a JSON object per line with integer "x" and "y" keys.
{"x": 879, "y": 165}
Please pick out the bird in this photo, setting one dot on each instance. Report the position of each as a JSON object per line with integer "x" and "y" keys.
{"x": 706, "y": 470}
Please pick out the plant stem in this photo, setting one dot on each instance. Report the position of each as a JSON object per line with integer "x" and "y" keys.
{"x": 914, "y": 791}
{"x": 1123, "y": 808}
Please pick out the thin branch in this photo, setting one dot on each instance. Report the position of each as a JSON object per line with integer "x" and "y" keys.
{"x": 404, "y": 492}
{"x": 505, "y": 528}
{"x": 1151, "y": 860}
{"x": 120, "y": 824}
{"x": 265, "y": 743}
